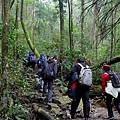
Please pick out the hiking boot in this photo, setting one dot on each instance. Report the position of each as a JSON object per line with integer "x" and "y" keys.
{"x": 110, "y": 118}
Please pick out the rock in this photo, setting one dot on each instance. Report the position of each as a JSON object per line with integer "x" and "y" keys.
{"x": 80, "y": 107}
{"x": 55, "y": 108}
{"x": 64, "y": 100}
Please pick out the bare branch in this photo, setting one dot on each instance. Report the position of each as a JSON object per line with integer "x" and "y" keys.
{"x": 12, "y": 4}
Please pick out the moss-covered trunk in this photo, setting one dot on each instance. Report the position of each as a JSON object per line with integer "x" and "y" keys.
{"x": 32, "y": 47}
{"x": 4, "y": 72}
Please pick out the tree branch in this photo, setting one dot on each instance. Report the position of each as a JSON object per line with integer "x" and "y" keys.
{"x": 12, "y": 4}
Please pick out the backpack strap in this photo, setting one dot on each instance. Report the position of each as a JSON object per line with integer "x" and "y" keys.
{"x": 82, "y": 68}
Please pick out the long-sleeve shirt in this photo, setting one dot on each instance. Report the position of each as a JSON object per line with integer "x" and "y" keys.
{"x": 105, "y": 78}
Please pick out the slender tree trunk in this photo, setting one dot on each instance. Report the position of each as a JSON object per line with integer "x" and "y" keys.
{"x": 112, "y": 33}
{"x": 115, "y": 39}
{"x": 69, "y": 22}
{"x": 26, "y": 34}
{"x": 16, "y": 42}
{"x": 2, "y": 2}
{"x": 12, "y": 4}
{"x": 61, "y": 27}
{"x": 4, "y": 80}
{"x": 82, "y": 28}
{"x": 33, "y": 23}
{"x": 96, "y": 31}
{"x": 96, "y": 28}
{"x": 61, "y": 35}
{"x": 71, "y": 28}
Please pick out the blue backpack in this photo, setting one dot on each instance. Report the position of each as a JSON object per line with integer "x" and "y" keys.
{"x": 42, "y": 61}
{"x": 115, "y": 79}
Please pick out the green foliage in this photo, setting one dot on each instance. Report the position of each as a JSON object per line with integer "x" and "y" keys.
{"x": 62, "y": 85}
{"x": 102, "y": 51}
{"x": 24, "y": 84}
{"x": 117, "y": 50}
{"x": 28, "y": 1}
{"x": 17, "y": 112}
{"x": 45, "y": 12}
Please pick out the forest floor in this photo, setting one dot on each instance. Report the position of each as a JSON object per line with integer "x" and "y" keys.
{"x": 60, "y": 106}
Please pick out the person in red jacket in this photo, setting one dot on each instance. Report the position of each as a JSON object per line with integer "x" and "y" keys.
{"x": 106, "y": 78}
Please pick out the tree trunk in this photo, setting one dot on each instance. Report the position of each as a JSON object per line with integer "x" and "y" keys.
{"x": 82, "y": 28}
{"x": 97, "y": 30}
{"x": 12, "y": 3}
{"x": 109, "y": 62}
{"x": 16, "y": 42}
{"x": 61, "y": 35}
{"x": 71, "y": 29}
{"x": 26, "y": 34}
{"x": 4, "y": 79}
{"x": 2, "y": 14}
{"x": 33, "y": 24}
{"x": 112, "y": 33}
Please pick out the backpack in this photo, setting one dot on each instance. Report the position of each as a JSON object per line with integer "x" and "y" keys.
{"x": 26, "y": 57}
{"x": 115, "y": 79}
{"x": 85, "y": 76}
{"x": 50, "y": 71}
{"x": 33, "y": 59}
{"x": 42, "y": 63}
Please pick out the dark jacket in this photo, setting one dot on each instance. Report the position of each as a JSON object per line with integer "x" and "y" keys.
{"x": 71, "y": 77}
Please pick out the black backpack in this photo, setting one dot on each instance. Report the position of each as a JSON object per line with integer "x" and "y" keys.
{"x": 50, "y": 71}
{"x": 115, "y": 79}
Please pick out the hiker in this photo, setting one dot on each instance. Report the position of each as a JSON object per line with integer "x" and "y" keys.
{"x": 54, "y": 58}
{"x": 49, "y": 74}
{"x": 32, "y": 60}
{"x": 40, "y": 64}
{"x": 109, "y": 98}
{"x": 80, "y": 92}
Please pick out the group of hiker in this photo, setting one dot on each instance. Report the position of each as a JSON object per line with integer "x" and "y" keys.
{"x": 79, "y": 88}
{"x": 46, "y": 70}
{"x": 80, "y": 81}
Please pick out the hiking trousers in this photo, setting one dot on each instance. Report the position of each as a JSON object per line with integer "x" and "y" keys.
{"x": 81, "y": 93}
{"x": 117, "y": 103}
{"x": 109, "y": 104}
{"x": 48, "y": 82}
